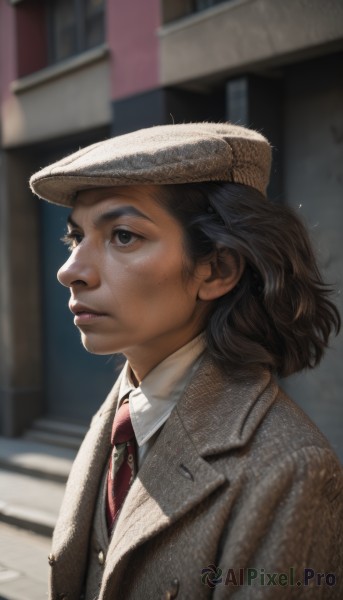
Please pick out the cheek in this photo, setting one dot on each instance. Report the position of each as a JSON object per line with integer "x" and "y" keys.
{"x": 152, "y": 272}
{"x": 155, "y": 279}
{"x": 162, "y": 278}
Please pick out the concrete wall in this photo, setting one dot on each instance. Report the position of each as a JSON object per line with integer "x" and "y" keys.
{"x": 314, "y": 166}
{"x": 20, "y": 306}
{"x": 247, "y": 35}
{"x": 60, "y": 100}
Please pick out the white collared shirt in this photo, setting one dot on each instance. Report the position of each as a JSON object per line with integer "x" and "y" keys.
{"x": 152, "y": 402}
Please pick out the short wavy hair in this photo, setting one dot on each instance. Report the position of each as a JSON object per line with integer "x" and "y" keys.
{"x": 279, "y": 315}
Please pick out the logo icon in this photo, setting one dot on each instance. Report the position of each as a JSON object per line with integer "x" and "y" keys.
{"x": 211, "y": 576}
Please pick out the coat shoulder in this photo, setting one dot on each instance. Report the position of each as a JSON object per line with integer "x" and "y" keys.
{"x": 287, "y": 429}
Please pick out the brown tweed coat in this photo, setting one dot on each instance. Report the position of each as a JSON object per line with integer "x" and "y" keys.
{"x": 239, "y": 478}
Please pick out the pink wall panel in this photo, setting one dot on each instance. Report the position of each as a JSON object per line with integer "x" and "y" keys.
{"x": 132, "y": 36}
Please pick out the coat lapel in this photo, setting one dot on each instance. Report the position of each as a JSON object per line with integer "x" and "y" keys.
{"x": 71, "y": 535}
{"x": 217, "y": 412}
{"x": 173, "y": 479}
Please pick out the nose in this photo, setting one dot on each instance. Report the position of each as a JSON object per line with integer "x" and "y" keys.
{"x": 78, "y": 270}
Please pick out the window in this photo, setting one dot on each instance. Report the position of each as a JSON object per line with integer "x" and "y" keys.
{"x": 199, "y": 5}
{"x": 173, "y": 10}
{"x": 75, "y": 26}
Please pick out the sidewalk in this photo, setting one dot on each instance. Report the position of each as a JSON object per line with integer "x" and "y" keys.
{"x": 24, "y": 568}
{"x": 32, "y": 481}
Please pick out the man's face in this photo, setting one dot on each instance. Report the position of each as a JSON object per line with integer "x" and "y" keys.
{"x": 126, "y": 276}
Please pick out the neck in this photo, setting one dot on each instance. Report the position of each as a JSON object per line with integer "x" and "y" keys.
{"x": 142, "y": 361}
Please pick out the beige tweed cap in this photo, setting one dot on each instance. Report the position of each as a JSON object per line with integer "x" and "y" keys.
{"x": 167, "y": 154}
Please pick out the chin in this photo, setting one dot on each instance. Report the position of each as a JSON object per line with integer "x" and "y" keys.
{"x": 96, "y": 347}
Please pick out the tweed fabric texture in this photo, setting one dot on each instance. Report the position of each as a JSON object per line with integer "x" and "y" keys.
{"x": 166, "y": 154}
{"x": 99, "y": 541}
{"x": 239, "y": 477}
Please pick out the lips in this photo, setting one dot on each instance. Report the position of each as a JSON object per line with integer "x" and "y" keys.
{"x": 78, "y": 309}
{"x": 84, "y": 314}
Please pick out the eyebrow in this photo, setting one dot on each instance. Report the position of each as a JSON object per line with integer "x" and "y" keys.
{"x": 113, "y": 214}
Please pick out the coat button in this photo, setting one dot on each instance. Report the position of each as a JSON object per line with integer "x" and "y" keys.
{"x": 173, "y": 590}
{"x": 101, "y": 558}
{"x": 51, "y": 560}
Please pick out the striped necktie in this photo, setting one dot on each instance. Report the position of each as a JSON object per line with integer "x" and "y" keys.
{"x": 123, "y": 461}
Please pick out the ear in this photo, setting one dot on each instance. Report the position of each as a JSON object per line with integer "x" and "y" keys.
{"x": 226, "y": 270}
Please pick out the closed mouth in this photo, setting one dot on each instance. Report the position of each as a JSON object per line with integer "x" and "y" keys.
{"x": 81, "y": 310}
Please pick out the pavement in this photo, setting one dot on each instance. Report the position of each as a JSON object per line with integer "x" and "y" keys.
{"x": 32, "y": 481}
{"x": 24, "y": 568}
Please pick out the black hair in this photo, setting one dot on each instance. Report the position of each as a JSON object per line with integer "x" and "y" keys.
{"x": 279, "y": 314}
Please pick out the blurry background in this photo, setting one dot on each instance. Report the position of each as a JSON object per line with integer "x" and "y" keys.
{"x": 76, "y": 71}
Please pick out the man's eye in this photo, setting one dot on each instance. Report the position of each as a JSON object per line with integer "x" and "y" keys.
{"x": 72, "y": 239}
{"x": 122, "y": 237}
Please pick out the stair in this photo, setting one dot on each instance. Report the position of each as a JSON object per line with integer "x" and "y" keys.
{"x": 33, "y": 476}
{"x": 57, "y": 433}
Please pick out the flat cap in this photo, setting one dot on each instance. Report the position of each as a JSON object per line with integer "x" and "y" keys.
{"x": 166, "y": 154}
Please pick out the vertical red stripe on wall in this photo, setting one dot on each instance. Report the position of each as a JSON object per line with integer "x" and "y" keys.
{"x": 132, "y": 36}
{"x": 32, "y": 53}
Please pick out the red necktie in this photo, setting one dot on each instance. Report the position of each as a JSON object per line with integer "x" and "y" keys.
{"x": 122, "y": 465}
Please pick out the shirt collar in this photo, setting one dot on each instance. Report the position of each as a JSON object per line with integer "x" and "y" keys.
{"x": 152, "y": 402}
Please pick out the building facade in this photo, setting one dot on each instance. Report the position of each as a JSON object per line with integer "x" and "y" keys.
{"x": 72, "y": 73}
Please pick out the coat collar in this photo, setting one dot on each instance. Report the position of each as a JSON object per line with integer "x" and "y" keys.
{"x": 234, "y": 401}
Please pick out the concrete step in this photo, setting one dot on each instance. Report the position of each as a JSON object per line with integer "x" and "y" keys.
{"x": 29, "y": 502}
{"x": 72, "y": 429}
{"x": 55, "y": 439}
{"x": 32, "y": 482}
{"x": 45, "y": 461}
{"x": 57, "y": 433}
